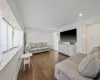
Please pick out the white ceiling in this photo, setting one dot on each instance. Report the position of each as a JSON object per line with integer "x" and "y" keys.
{"x": 51, "y": 14}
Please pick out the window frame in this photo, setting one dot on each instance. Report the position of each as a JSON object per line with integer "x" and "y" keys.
{"x": 13, "y": 29}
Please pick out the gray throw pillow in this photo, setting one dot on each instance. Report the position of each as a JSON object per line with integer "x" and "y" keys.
{"x": 33, "y": 45}
{"x": 90, "y": 65}
{"x": 38, "y": 45}
{"x": 44, "y": 44}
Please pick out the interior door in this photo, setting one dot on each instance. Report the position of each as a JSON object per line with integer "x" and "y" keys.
{"x": 92, "y": 36}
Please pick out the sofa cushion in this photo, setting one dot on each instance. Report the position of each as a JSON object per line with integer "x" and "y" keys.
{"x": 44, "y": 44}
{"x": 95, "y": 49}
{"x": 38, "y": 45}
{"x": 43, "y": 48}
{"x": 90, "y": 65}
{"x": 33, "y": 50}
{"x": 77, "y": 58}
{"x": 32, "y": 45}
{"x": 67, "y": 67}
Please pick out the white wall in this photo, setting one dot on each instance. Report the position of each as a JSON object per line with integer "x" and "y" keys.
{"x": 36, "y": 35}
{"x": 80, "y": 46}
{"x": 79, "y": 28}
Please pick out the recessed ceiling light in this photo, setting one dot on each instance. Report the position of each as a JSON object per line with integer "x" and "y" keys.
{"x": 80, "y": 14}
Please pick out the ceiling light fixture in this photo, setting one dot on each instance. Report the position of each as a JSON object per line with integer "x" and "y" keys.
{"x": 80, "y": 14}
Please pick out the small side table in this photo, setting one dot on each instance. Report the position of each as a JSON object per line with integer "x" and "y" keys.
{"x": 26, "y": 59}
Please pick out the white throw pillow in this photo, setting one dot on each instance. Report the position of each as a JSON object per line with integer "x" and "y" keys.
{"x": 90, "y": 65}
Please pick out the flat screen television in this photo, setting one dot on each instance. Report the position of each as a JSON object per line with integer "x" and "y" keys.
{"x": 69, "y": 36}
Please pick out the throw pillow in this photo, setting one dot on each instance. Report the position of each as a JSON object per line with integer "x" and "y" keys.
{"x": 90, "y": 65}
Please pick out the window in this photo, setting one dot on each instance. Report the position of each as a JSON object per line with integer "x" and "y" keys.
{"x": 3, "y": 36}
{"x": 16, "y": 38}
{"x": 21, "y": 38}
{"x": 9, "y": 37}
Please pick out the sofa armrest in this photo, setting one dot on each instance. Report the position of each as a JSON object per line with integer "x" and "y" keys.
{"x": 81, "y": 53}
{"x": 28, "y": 48}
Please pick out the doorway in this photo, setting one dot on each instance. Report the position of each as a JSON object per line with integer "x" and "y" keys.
{"x": 92, "y": 36}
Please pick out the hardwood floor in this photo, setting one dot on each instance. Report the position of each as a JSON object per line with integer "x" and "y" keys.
{"x": 42, "y": 67}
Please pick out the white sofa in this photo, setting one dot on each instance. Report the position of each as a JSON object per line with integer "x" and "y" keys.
{"x": 80, "y": 67}
{"x": 38, "y": 47}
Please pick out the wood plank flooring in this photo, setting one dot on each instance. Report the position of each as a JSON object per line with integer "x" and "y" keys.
{"x": 42, "y": 67}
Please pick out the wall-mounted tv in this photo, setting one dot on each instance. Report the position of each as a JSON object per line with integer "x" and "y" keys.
{"x": 69, "y": 36}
